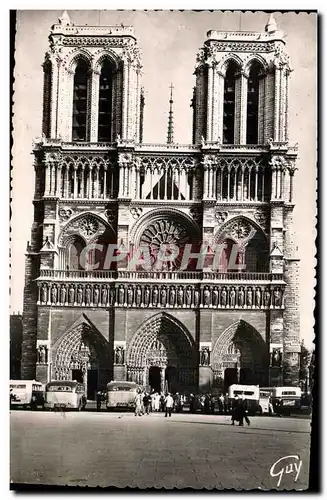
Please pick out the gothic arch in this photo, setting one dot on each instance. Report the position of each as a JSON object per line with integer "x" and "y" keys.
{"x": 225, "y": 60}
{"x": 254, "y": 58}
{"x": 159, "y": 213}
{"x": 72, "y": 59}
{"x": 250, "y": 348}
{"x": 223, "y": 230}
{"x": 101, "y": 56}
{"x": 81, "y": 346}
{"x": 101, "y": 225}
{"x": 179, "y": 344}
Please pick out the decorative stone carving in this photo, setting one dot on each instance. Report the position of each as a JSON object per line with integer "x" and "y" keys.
{"x": 65, "y": 213}
{"x": 112, "y": 297}
{"x": 104, "y": 297}
{"x": 223, "y": 300}
{"x": 241, "y": 297}
{"x": 71, "y": 294}
{"x": 240, "y": 230}
{"x": 188, "y": 296}
{"x": 121, "y": 295}
{"x": 196, "y": 214}
{"x": 88, "y": 295}
{"x": 261, "y": 218}
{"x": 119, "y": 355}
{"x": 88, "y": 226}
{"x": 221, "y": 216}
{"x": 180, "y": 297}
{"x": 232, "y": 295}
{"x": 138, "y": 294}
{"x": 79, "y": 295}
{"x": 196, "y": 297}
{"x": 276, "y": 358}
{"x": 215, "y": 297}
{"x": 249, "y": 297}
{"x": 277, "y": 298}
{"x": 44, "y": 293}
{"x": 155, "y": 296}
{"x": 147, "y": 296}
{"x": 42, "y": 354}
{"x": 54, "y": 294}
{"x": 206, "y": 297}
{"x": 129, "y": 296}
{"x": 267, "y": 298}
{"x": 63, "y": 293}
{"x": 96, "y": 294}
{"x": 136, "y": 212}
{"x": 163, "y": 296}
{"x": 110, "y": 215}
{"x": 172, "y": 296}
{"x": 258, "y": 297}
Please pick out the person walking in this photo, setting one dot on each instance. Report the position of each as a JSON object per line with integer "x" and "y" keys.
{"x": 138, "y": 405}
{"x": 99, "y": 400}
{"x": 236, "y": 410}
{"x": 146, "y": 403}
{"x": 169, "y": 404}
{"x": 243, "y": 411}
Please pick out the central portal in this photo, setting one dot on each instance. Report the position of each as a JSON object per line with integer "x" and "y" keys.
{"x": 155, "y": 378}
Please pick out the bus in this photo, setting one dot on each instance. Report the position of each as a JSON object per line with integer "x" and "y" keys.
{"x": 121, "y": 394}
{"x": 26, "y": 393}
{"x": 65, "y": 395}
{"x": 249, "y": 392}
{"x": 286, "y": 400}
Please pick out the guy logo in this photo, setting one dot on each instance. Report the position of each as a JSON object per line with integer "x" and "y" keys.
{"x": 286, "y": 465}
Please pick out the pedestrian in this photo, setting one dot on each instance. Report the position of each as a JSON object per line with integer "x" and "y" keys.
{"x": 243, "y": 411}
{"x": 157, "y": 402}
{"x": 99, "y": 400}
{"x": 138, "y": 405}
{"x": 146, "y": 403}
{"x": 221, "y": 404}
{"x": 153, "y": 401}
{"x": 206, "y": 404}
{"x": 212, "y": 403}
{"x": 162, "y": 402}
{"x": 169, "y": 402}
{"x": 236, "y": 410}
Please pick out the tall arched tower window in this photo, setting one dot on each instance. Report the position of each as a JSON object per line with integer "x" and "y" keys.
{"x": 80, "y": 98}
{"x": 252, "y": 112}
{"x": 105, "y": 103}
{"x": 229, "y": 103}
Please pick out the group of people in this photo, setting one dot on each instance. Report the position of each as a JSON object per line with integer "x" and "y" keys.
{"x": 240, "y": 411}
{"x": 146, "y": 402}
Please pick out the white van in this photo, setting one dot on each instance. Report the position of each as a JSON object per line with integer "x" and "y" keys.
{"x": 249, "y": 392}
{"x": 26, "y": 393}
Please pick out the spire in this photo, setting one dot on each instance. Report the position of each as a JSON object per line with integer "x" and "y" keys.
{"x": 65, "y": 19}
{"x": 170, "y": 135}
{"x": 271, "y": 26}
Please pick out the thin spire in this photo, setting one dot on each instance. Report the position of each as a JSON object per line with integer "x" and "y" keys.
{"x": 271, "y": 25}
{"x": 170, "y": 135}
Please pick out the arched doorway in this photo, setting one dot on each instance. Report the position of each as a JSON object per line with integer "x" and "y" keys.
{"x": 240, "y": 356}
{"x": 162, "y": 356}
{"x": 82, "y": 355}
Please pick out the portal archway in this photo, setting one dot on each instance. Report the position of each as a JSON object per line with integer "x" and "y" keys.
{"x": 163, "y": 344}
{"x": 82, "y": 354}
{"x": 240, "y": 355}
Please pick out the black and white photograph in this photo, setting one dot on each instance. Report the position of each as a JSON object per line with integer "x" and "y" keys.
{"x": 163, "y": 226}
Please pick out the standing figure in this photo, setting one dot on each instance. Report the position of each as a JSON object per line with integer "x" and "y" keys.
{"x": 88, "y": 295}
{"x": 206, "y": 297}
{"x": 138, "y": 296}
{"x": 249, "y": 297}
{"x": 104, "y": 295}
{"x": 79, "y": 295}
{"x": 232, "y": 294}
{"x": 172, "y": 296}
{"x": 147, "y": 296}
{"x": 54, "y": 294}
{"x": 180, "y": 296}
{"x": 188, "y": 295}
{"x": 215, "y": 297}
{"x": 241, "y": 297}
{"x": 71, "y": 294}
{"x": 163, "y": 297}
{"x": 96, "y": 295}
{"x": 112, "y": 296}
{"x": 169, "y": 402}
{"x": 129, "y": 295}
{"x": 155, "y": 294}
{"x": 63, "y": 294}
{"x": 121, "y": 295}
{"x": 277, "y": 298}
{"x": 267, "y": 298}
{"x": 44, "y": 293}
{"x": 258, "y": 297}
{"x": 196, "y": 297}
{"x": 205, "y": 356}
{"x": 138, "y": 404}
{"x": 224, "y": 297}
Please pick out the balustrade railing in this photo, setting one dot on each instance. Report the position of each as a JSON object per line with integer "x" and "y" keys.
{"x": 68, "y": 275}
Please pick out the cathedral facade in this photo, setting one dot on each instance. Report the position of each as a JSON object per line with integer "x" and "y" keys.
{"x": 102, "y": 301}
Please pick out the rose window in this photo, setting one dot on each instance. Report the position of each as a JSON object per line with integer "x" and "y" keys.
{"x": 162, "y": 237}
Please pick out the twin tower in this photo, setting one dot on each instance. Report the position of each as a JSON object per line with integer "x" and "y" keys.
{"x": 98, "y": 184}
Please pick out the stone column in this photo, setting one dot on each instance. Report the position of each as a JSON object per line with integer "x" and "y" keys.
{"x": 210, "y": 103}
{"x": 56, "y": 62}
{"x": 277, "y": 103}
{"x": 94, "y": 101}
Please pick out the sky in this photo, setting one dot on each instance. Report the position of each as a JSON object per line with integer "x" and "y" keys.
{"x": 169, "y": 41}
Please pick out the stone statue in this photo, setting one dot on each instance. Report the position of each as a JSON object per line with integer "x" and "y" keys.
{"x": 71, "y": 294}
{"x": 112, "y": 296}
{"x": 215, "y": 297}
{"x": 88, "y": 295}
{"x": 196, "y": 297}
{"x": 241, "y": 297}
{"x": 96, "y": 294}
{"x": 258, "y": 297}
{"x": 249, "y": 297}
{"x": 129, "y": 295}
{"x": 163, "y": 297}
{"x": 138, "y": 296}
{"x": 172, "y": 295}
{"x": 205, "y": 356}
{"x": 155, "y": 294}
{"x": 180, "y": 296}
{"x": 104, "y": 295}
{"x": 146, "y": 296}
{"x": 79, "y": 295}
{"x": 277, "y": 298}
{"x": 206, "y": 296}
{"x": 42, "y": 354}
{"x": 44, "y": 293}
{"x": 232, "y": 297}
{"x": 63, "y": 294}
{"x": 267, "y": 298}
{"x": 119, "y": 355}
{"x": 54, "y": 294}
{"x": 121, "y": 295}
{"x": 276, "y": 358}
{"x": 224, "y": 297}
{"x": 188, "y": 295}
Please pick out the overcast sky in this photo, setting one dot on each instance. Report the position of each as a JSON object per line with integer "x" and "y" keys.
{"x": 169, "y": 41}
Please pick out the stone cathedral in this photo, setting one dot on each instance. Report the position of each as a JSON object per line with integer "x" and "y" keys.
{"x": 99, "y": 185}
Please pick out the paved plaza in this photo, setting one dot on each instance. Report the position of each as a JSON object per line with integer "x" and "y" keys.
{"x": 118, "y": 449}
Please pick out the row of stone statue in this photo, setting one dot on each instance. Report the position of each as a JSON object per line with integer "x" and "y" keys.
{"x": 160, "y": 296}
